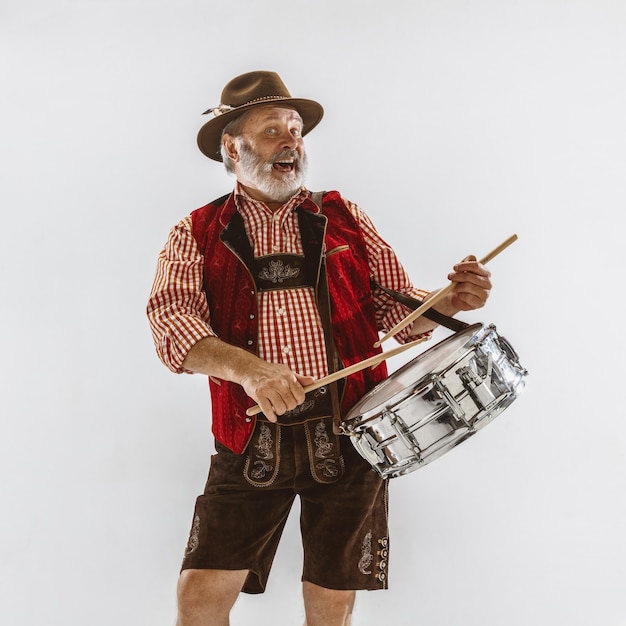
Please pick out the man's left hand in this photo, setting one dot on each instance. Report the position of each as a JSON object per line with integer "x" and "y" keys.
{"x": 472, "y": 284}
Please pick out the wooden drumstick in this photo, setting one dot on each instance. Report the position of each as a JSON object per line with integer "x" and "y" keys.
{"x": 409, "y": 319}
{"x": 373, "y": 361}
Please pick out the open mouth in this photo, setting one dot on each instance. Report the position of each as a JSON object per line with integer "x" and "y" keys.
{"x": 284, "y": 166}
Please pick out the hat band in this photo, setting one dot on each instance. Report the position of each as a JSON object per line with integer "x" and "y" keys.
{"x": 227, "y": 108}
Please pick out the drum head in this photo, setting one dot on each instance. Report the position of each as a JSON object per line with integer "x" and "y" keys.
{"x": 403, "y": 381}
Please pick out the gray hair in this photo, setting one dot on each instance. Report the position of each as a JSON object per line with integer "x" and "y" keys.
{"x": 234, "y": 128}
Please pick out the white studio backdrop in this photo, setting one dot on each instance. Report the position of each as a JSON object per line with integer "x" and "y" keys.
{"x": 453, "y": 123}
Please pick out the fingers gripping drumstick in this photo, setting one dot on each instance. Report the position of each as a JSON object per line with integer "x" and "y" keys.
{"x": 373, "y": 361}
{"x": 440, "y": 294}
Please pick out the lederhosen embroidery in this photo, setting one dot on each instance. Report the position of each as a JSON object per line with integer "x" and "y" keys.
{"x": 325, "y": 460}
{"x": 365, "y": 562}
{"x": 194, "y": 540}
{"x": 367, "y": 557}
{"x": 279, "y": 271}
{"x": 263, "y": 459}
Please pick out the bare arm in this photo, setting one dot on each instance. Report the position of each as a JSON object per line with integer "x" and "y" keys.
{"x": 274, "y": 387}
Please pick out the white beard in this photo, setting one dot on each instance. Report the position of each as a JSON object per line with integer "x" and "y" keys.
{"x": 261, "y": 174}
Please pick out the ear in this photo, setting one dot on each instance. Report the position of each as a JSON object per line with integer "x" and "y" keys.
{"x": 230, "y": 143}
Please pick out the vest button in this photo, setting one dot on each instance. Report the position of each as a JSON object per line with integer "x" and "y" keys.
{"x": 251, "y": 316}
{"x": 250, "y": 342}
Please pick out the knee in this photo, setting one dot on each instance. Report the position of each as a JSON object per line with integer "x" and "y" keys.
{"x": 190, "y": 587}
{"x": 208, "y": 590}
{"x": 327, "y": 606}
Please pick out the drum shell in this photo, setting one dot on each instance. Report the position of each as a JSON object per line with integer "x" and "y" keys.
{"x": 436, "y": 401}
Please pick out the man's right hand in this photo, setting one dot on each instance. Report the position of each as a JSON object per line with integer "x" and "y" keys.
{"x": 275, "y": 388}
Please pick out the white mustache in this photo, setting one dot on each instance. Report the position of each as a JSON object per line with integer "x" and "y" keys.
{"x": 284, "y": 155}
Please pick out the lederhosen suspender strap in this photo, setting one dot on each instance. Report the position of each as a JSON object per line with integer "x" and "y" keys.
{"x": 332, "y": 356}
{"x": 431, "y": 314}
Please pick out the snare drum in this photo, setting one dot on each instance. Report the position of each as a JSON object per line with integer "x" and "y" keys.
{"x": 435, "y": 401}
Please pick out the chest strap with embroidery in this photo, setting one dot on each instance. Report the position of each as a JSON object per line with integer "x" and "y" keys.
{"x": 279, "y": 271}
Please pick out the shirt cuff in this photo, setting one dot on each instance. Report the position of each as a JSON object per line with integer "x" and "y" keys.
{"x": 396, "y": 314}
{"x": 177, "y": 343}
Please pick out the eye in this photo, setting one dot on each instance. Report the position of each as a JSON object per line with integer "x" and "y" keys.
{"x": 296, "y": 132}
{"x": 270, "y": 131}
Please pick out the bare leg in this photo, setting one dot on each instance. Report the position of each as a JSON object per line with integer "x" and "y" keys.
{"x": 205, "y": 597}
{"x": 327, "y": 607}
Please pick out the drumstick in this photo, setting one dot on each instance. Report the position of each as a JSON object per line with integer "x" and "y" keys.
{"x": 373, "y": 361}
{"x": 440, "y": 294}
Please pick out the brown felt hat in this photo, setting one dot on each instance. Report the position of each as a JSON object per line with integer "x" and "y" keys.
{"x": 247, "y": 91}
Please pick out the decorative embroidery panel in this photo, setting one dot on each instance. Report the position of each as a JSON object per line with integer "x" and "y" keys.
{"x": 279, "y": 271}
{"x": 194, "y": 541}
{"x": 367, "y": 558}
{"x": 326, "y": 462}
{"x": 263, "y": 460}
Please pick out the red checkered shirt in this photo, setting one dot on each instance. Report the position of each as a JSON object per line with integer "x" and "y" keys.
{"x": 290, "y": 329}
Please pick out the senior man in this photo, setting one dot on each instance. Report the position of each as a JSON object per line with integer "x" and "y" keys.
{"x": 264, "y": 291}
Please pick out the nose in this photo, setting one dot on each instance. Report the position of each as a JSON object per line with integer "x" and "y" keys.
{"x": 289, "y": 140}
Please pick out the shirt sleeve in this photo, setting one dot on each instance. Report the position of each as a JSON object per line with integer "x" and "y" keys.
{"x": 387, "y": 271}
{"x": 177, "y": 309}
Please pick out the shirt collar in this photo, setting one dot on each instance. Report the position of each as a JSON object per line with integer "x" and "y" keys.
{"x": 242, "y": 197}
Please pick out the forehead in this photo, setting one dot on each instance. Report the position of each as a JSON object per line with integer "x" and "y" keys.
{"x": 270, "y": 113}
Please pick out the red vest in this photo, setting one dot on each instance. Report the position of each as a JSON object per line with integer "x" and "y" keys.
{"x": 332, "y": 234}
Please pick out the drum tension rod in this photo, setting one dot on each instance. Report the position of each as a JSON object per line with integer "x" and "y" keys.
{"x": 477, "y": 386}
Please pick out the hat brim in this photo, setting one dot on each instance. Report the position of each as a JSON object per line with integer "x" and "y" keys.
{"x": 210, "y": 135}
